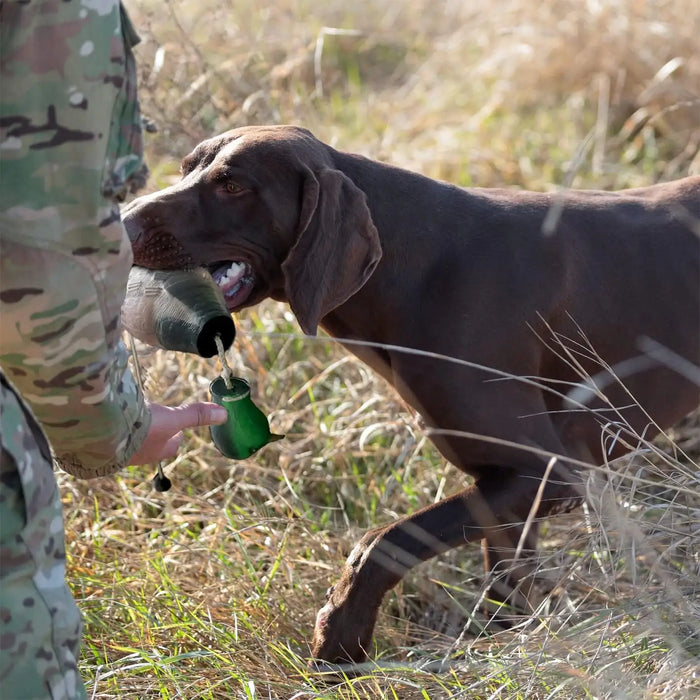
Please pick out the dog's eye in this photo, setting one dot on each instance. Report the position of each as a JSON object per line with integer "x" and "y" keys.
{"x": 233, "y": 188}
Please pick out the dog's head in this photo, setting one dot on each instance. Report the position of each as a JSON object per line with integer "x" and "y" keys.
{"x": 266, "y": 211}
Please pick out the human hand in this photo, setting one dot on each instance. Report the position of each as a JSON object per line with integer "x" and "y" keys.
{"x": 165, "y": 434}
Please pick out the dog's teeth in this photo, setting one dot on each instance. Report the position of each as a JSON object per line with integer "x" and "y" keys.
{"x": 234, "y": 270}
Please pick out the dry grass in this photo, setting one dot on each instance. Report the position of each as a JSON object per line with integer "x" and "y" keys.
{"x": 480, "y": 97}
{"x": 210, "y": 590}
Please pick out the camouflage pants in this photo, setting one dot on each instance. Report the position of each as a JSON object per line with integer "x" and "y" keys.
{"x": 39, "y": 621}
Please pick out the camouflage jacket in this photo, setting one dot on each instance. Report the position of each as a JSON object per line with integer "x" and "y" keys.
{"x": 70, "y": 149}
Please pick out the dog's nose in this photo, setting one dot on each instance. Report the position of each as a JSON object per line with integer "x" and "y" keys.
{"x": 158, "y": 249}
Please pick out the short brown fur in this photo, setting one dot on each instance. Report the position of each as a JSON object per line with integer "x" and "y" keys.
{"x": 499, "y": 279}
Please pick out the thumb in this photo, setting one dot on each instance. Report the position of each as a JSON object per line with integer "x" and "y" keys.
{"x": 197, "y": 414}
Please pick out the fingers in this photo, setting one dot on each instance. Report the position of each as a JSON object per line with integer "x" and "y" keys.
{"x": 158, "y": 445}
{"x": 165, "y": 434}
{"x": 171, "y": 447}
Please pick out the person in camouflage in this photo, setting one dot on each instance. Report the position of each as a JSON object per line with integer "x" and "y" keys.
{"x": 70, "y": 150}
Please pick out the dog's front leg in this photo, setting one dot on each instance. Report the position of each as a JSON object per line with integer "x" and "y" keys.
{"x": 344, "y": 625}
{"x": 495, "y": 506}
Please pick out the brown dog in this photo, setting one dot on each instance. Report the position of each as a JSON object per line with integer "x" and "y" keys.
{"x": 539, "y": 286}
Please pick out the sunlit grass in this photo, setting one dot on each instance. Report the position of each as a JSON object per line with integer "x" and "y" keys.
{"x": 210, "y": 590}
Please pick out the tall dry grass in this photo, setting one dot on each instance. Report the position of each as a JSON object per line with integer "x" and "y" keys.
{"x": 210, "y": 590}
{"x": 477, "y": 95}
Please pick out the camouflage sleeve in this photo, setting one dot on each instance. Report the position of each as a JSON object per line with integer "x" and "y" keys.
{"x": 70, "y": 148}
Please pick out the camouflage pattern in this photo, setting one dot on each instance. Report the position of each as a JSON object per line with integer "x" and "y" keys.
{"x": 70, "y": 149}
{"x": 70, "y": 145}
{"x": 39, "y": 622}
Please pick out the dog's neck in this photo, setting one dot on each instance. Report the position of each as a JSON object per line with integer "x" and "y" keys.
{"x": 360, "y": 318}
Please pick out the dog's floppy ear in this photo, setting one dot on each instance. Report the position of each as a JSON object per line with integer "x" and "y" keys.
{"x": 336, "y": 250}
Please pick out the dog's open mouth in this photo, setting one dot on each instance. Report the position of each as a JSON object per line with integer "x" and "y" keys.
{"x": 236, "y": 281}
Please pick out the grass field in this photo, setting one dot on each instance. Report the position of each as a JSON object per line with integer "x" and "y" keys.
{"x": 210, "y": 590}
